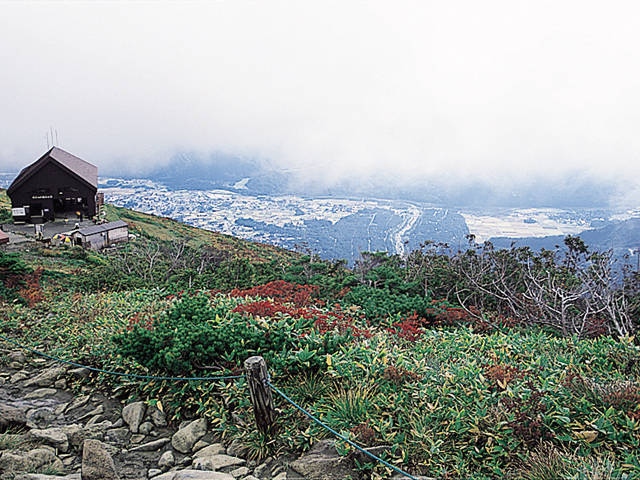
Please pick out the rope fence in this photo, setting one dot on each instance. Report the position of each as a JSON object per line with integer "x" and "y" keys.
{"x": 260, "y": 395}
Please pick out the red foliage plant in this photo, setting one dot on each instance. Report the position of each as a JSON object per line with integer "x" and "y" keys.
{"x": 141, "y": 320}
{"x": 410, "y": 328}
{"x": 31, "y": 290}
{"x": 400, "y": 375}
{"x": 299, "y": 295}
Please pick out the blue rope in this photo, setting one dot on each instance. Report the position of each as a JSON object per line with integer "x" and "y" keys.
{"x": 119, "y": 374}
{"x": 340, "y": 436}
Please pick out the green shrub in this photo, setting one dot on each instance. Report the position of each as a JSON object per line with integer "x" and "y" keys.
{"x": 381, "y": 303}
{"x": 194, "y": 333}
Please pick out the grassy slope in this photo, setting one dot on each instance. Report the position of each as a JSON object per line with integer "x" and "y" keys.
{"x": 167, "y": 229}
{"x": 170, "y": 230}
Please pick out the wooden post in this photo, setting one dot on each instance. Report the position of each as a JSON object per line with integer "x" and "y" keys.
{"x": 257, "y": 379}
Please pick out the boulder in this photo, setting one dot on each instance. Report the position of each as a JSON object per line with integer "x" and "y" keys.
{"x": 322, "y": 462}
{"x": 167, "y": 460}
{"x": 97, "y": 463}
{"x": 11, "y": 417}
{"x": 46, "y": 378}
{"x": 185, "y": 438}
{"x": 158, "y": 418}
{"x": 133, "y": 415}
{"x": 54, "y": 437}
{"x": 216, "y": 462}
{"x": 194, "y": 475}
{"x": 215, "y": 449}
{"x": 40, "y": 417}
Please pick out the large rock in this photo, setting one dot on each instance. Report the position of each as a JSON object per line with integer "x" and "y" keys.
{"x": 97, "y": 463}
{"x": 322, "y": 462}
{"x": 11, "y": 417}
{"x": 214, "y": 449}
{"x": 31, "y": 461}
{"x": 46, "y": 378}
{"x": 40, "y": 417}
{"x": 133, "y": 415}
{"x": 158, "y": 417}
{"x": 44, "y": 457}
{"x": 217, "y": 462}
{"x": 42, "y": 476}
{"x": 185, "y": 438}
{"x": 167, "y": 460}
{"x": 54, "y": 437}
{"x": 194, "y": 475}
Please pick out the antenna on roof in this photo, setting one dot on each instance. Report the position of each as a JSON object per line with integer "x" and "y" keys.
{"x": 57, "y": 143}
{"x": 51, "y": 130}
{"x": 47, "y": 137}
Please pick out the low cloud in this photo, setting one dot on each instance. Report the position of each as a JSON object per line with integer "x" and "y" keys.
{"x": 496, "y": 92}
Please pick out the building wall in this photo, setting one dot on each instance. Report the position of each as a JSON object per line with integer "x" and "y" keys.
{"x": 52, "y": 190}
{"x": 118, "y": 235}
{"x": 98, "y": 241}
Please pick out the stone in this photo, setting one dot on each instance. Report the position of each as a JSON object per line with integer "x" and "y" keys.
{"x": 280, "y": 476}
{"x": 11, "y": 417}
{"x": 60, "y": 384}
{"x": 185, "y": 438}
{"x": 215, "y": 449}
{"x": 95, "y": 420}
{"x": 54, "y": 437}
{"x": 235, "y": 448}
{"x": 117, "y": 436}
{"x": 75, "y": 433}
{"x": 153, "y": 472}
{"x": 158, "y": 417}
{"x": 133, "y": 414}
{"x": 240, "y": 472}
{"x": 146, "y": 428}
{"x": 99, "y": 410}
{"x": 10, "y": 462}
{"x": 194, "y": 475}
{"x": 261, "y": 470}
{"x": 40, "y": 393}
{"x": 217, "y": 462}
{"x": 151, "y": 446}
{"x": 41, "y": 476}
{"x": 118, "y": 423}
{"x": 17, "y": 356}
{"x": 200, "y": 444}
{"x": 31, "y": 461}
{"x": 43, "y": 457}
{"x": 167, "y": 460}
{"x": 322, "y": 462}
{"x": 97, "y": 463}
{"x": 78, "y": 402}
{"x": 18, "y": 377}
{"x": 79, "y": 373}
{"x": 40, "y": 417}
{"x": 46, "y": 378}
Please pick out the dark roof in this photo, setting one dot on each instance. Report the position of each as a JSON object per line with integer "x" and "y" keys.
{"x": 103, "y": 227}
{"x": 84, "y": 170}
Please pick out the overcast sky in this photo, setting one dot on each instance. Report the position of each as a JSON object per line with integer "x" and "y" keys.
{"x": 501, "y": 90}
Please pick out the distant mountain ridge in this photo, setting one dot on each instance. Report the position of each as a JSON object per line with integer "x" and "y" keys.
{"x": 193, "y": 171}
{"x": 622, "y": 237}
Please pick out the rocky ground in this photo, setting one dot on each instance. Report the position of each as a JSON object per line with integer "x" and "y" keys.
{"x": 54, "y": 426}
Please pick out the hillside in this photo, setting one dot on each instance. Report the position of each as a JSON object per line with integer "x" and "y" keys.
{"x": 166, "y": 229}
{"x": 446, "y": 366}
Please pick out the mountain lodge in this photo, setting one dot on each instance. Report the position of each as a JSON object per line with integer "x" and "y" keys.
{"x": 58, "y": 184}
